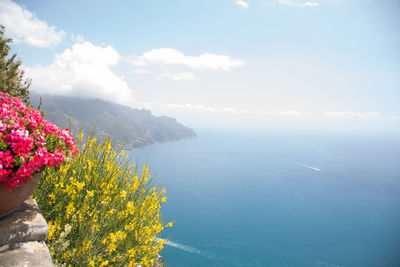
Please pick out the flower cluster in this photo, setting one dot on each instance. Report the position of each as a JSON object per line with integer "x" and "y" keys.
{"x": 101, "y": 210}
{"x": 28, "y": 142}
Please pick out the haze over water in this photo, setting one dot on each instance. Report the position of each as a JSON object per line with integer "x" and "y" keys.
{"x": 279, "y": 199}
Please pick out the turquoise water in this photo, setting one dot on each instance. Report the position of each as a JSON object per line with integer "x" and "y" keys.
{"x": 279, "y": 199}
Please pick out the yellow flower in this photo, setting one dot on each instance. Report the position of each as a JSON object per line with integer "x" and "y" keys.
{"x": 111, "y": 248}
{"x": 130, "y": 207}
{"x": 90, "y": 193}
{"x": 113, "y": 238}
{"x": 95, "y": 228}
{"x": 126, "y": 205}
{"x": 86, "y": 245}
{"x": 52, "y": 229}
{"x": 52, "y": 198}
{"x": 104, "y": 263}
{"x": 79, "y": 186}
{"x": 170, "y": 224}
{"x": 70, "y": 210}
{"x": 129, "y": 227}
{"x": 122, "y": 194}
{"x": 120, "y": 235}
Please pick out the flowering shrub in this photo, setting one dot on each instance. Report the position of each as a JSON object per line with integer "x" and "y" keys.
{"x": 28, "y": 142}
{"x": 101, "y": 210}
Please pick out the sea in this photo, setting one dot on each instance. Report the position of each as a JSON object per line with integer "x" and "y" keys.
{"x": 279, "y": 198}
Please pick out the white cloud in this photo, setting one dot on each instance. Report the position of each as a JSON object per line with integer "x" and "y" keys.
{"x": 310, "y": 4}
{"x": 202, "y": 108}
{"x": 294, "y": 113}
{"x": 242, "y": 4}
{"x": 293, "y": 3}
{"x": 141, "y": 71}
{"x": 181, "y": 76}
{"x": 278, "y": 113}
{"x": 352, "y": 114}
{"x": 198, "y": 114}
{"x": 170, "y": 56}
{"x": 233, "y": 111}
{"x": 328, "y": 114}
{"x": 23, "y": 26}
{"x": 77, "y": 38}
{"x": 191, "y": 107}
{"x": 85, "y": 71}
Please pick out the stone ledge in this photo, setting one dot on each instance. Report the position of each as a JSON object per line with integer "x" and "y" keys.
{"x": 24, "y": 225}
{"x": 26, "y": 254}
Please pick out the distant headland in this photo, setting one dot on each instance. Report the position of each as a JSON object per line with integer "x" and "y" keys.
{"x": 132, "y": 127}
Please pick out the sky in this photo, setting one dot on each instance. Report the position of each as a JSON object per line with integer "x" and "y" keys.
{"x": 287, "y": 64}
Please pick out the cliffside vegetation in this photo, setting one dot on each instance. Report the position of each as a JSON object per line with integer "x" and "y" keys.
{"x": 101, "y": 210}
{"x": 11, "y": 76}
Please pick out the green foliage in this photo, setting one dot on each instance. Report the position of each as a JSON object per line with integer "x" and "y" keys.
{"x": 52, "y": 141}
{"x": 11, "y": 76}
{"x": 3, "y": 145}
{"x": 100, "y": 210}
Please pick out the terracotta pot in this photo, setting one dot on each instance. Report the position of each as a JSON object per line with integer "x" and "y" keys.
{"x": 11, "y": 201}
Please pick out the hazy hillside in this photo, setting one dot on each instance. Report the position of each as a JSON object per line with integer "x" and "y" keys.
{"x": 133, "y": 127}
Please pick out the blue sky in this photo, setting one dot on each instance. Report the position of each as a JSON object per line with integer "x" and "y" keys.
{"x": 273, "y": 63}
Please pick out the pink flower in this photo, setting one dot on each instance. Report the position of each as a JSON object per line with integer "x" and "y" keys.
{"x": 28, "y": 142}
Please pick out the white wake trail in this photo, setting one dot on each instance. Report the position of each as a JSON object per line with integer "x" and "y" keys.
{"x": 190, "y": 249}
{"x": 304, "y": 165}
{"x": 183, "y": 247}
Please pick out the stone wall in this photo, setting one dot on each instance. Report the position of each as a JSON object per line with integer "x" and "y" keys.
{"x": 22, "y": 236}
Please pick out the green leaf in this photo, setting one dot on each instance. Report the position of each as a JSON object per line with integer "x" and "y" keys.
{"x": 3, "y": 145}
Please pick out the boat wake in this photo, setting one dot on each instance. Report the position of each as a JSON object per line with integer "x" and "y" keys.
{"x": 183, "y": 247}
{"x": 304, "y": 165}
{"x": 193, "y": 250}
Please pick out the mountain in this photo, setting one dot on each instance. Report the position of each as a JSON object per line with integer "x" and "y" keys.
{"x": 132, "y": 127}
